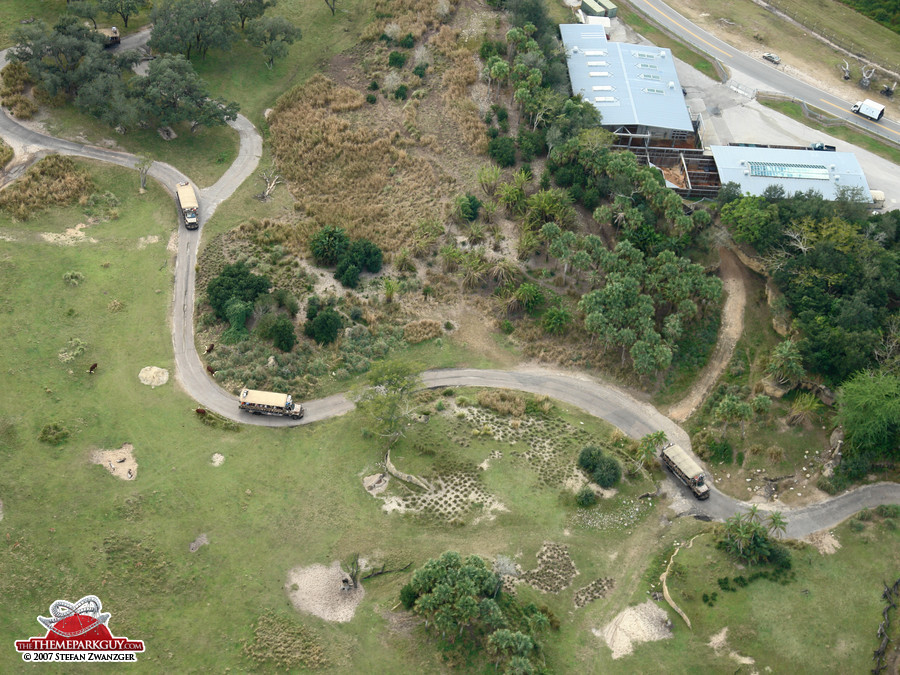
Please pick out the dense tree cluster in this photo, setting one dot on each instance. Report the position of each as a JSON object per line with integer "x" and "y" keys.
{"x": 461, "y": 601}
{"x": 330, "y": 245}
{"x": 603, "y": 469}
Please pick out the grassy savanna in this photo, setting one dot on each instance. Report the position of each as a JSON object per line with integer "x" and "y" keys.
{"x": 663, "y": 39}
{"x": 843, "y": 131}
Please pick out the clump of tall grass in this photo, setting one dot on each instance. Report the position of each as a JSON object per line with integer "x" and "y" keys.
{"x": 424, "y": 329}
{"x": 502, "y": 401}
{"x": 54, "y": 181}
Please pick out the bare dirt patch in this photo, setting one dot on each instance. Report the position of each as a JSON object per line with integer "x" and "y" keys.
{"x": 317, "y": 590}
{"x": 72, "y": 236}
{"x": 376, "y": 483}
{"x": 143, "y": 242}
{"x": 218, "y": 459}
{"x": 642, "y": 623}
{"x": 719, "y": 643}
{"x": 153, "y": 376}
{"x": 120, "y": 463}
{"x": 824, "y": 541}
{"x": 732, "y": 273}
{"x": 172, "y": 244}
{"x": 201, "y": 540}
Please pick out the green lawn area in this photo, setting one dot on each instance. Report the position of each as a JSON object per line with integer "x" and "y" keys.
{"x": 845, "y": 132}
{"x": 662, "y": 39}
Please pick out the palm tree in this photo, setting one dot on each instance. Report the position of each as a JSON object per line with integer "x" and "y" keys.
{"x": 753, "y": 515}
{"x": 804, "y": 409}
{"x": 390, "y": 288}
{"x": 776, "y": 523}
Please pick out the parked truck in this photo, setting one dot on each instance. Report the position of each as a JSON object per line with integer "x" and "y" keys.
{"x": 270, "y": 403}
{"x": 868, "y": 108}
{"x": 822, "y": 147}
{"x": 685, "y": 469}
{"x": 187, "y": 204}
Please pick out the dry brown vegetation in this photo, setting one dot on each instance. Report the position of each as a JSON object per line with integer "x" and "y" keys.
{"x": 6, "y": 154}
{"x": 407, "y": 16}
{"x": 424, "y": 329}
{"x": 502, "y": 401}
{"x": 460, "y": 74}
{"x": 361, "y": 178}
{"x": 285, "y": 644}
{"x": 54, "y": 181}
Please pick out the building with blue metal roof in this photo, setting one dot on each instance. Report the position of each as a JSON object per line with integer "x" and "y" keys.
{"x": 635, "y": 87}
{"x": 756, "y": 168}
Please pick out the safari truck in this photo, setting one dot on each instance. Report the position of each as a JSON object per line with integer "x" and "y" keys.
{"x": 868, "y": 108}
{"x": 270, "y": 403}
{"x": 111, "y": 35}
{"x": 686, "y": 469}
{"x": 187, "y": 204}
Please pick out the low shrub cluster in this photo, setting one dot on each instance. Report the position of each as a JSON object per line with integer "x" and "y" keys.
{"x": 422, "y": 330}
{"x": 502, "y": 401}
{"x": 53, "y": 181}
{"x": 604, "y": 470}
{"x": 331, "y": 246}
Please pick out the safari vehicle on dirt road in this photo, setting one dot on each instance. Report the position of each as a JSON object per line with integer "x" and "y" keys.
{"x": 187, "y": 205}
{"x": 685, "y": 469}
{"x": 270, "y": 403}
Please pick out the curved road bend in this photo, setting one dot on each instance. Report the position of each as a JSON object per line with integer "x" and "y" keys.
{"x": 617, "y": 407}
{"x": 776, "y": 79}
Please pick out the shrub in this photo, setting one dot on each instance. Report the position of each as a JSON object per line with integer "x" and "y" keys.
{"x": 373, "y": 85}
{"x": 329, "y": 245}
{"x": 282, "y": 333}
{"x": 586, "y": 497}
{"x": 889, "y": 510}
{"x": 890, "y": 524}
{"x": 857, "y": 526}
{"x": 507, "y": 327}
{"x": 401, "y": 92}
{"x": 20, "y": 106}
{"x": 502, "y": 150}
{"x": 54, "y": 181}
{"x": 235, "y": 282}
{"x": 419, "y": 331}
{"x": 502, "y": 402}
{"x": 366, "y": 255}
{"x": 371, "y": 98}
{"x": 407, "y": 41}
{"x": 500, "y": 111}
{"x": 420, "y": 69}
{"x": 467, "y": 207}
{"x": 53, "y": 433}
{"x": 397, "y": 59}
{"x": 313, "y": 305}
{"x": 492, "y": 132}
{"x": 531, "y": 144}
{"x": 73, "y": 278}
{"x": 286, "y": 301}
{"x": 6, "y": 154}
{"x": 608, "y": 472}
{"x": 347, "y": 272}
{"x": 408, "y": 596}
{"x": 589, "y": 457}
{"x": 324, "y": 327}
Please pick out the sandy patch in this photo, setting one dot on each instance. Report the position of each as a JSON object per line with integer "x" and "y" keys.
{"x": 120, "y": 463}
{"x": 719, "y": 643}
{"x": 201, "y": 540}
{"x": 824, "y": 541}
{"x": 72, "y": 236}
{"x": 153, "y": 376}
{"x": 641, "y": 623}
{"x": 172, "y": 245}
{"x": 143, "y": 242}
{"x": 318, "y": 592}
{"x": 218, "y": 459}
{"x": 376, "y": 483}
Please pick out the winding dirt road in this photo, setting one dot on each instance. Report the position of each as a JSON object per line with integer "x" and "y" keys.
{"x": 609, "y": 403}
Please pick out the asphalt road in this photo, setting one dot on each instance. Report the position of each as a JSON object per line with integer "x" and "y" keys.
{"x": 762, "y": 71}
{"x": 635, "y": 418}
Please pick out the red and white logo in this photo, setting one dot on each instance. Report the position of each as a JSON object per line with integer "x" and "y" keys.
{"x": 78, "y": 632}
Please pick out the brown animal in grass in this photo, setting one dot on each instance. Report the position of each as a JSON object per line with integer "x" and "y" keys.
{"x": 200, "y": 411}
{"x": 211, "y": 370}
{"x": 92, "y": 369}
{"x": 212, "y": 345}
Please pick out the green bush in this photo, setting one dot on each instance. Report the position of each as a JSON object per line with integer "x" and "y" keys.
{"x": 407, "y": 41}
{"x": 492, "y": 132}
{"x": 467, "y": 207}
{"x": 420, "y": 69}
{"x": 286, "y": 301}
{"x": 235, "y": 282}
{"x": 586, "y": 497}
{"x": 608, "y": 472}
{"x": 282, "y": 333}
{"x": 532, "y": 144}
{"x": 366, "y": 255}
{"x": 373, "y": 85}
{"x": 889, "y": 510}
{"x": 53, "y": 433}
{"x": 347, "y": 273}
{"x": 329, "y": 245}
{"x": 401, "y": 92}
{"x": 502, "y": 150}
{"x": 589, "y": 457}
{"x": 371, "y": 98}
{"x": 397, "y": 59}
{"x": 507, "y": 327}
{"x": 500, "y": 111}
{"x": 857, "y": 526}
{"x": 324, "y": 327}
{"x": 408, "y": 596}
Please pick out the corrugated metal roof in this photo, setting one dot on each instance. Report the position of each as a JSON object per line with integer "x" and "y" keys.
{"x": 646, "y": 87}
{"x": 755, "y": 169}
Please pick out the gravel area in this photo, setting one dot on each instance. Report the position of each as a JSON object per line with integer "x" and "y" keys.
{"x": 642, "y": 623}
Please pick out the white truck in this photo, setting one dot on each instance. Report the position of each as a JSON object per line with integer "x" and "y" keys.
{"x": 187, "y": 204}
{"x": 868, "y": 108}
{"x": 270, "y": 403}
{"x": 685, "y": 469}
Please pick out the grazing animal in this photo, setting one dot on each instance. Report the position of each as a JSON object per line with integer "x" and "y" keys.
{"x": 212, "y": 345}
{"x": 200, "y": 411}
{"x": 92, "y": 369}
{"x": 211, "y": 370}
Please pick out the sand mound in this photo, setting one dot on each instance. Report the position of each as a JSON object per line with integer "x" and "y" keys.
{"x": 72, "y": 236}
{"x": 202, "y": 540}
{"x": 376, "y": 483}
{"x": 319, "y": 592}
{"x": 143, "y": 242}
{"x": 153, "y": 376}
{"x": 120, "y": 463}
{"x": 641, "y": 623}
{"x": 218, "y": 459}
{"x": 824, "y": 541}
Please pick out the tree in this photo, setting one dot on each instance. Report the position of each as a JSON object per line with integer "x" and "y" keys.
{"x": 776, "y": 523}
{"x": 282, "y": 333}
{"x": 869, "y": 409}
{"x": 172, "y": 92}
{"x": 329, "y": 245}
{"x": 728, "y": 410}
{"x": 273, "y": 34}
{"x": 106, "y": 97}
{"x": 804, "y": 408}
{"x": 488, "y": 177}
{"x": 331, "y": 5}
{"x": 251, "y": 9}
{"x": 608, "y": 472}
{"x": 180, "y": 26}
{"x": 143, "y": 166}
{"x": 389, "y": 402}
{"x": 753, "y": 221}
{"x": 649, "y": 446}
{"x": 324, "y": 326}
{"x": 502, "y": 150}
{"x": 786, "y": 363}
{"x": 124, "y": 8}
{"x": 556, "y": 320}
{"x": 235, "y": 281}
{"x": 84, "y": 10}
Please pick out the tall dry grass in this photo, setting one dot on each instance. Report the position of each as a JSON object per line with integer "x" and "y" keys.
{"x": 460, "y": 73}
{"x": 408, "y": 16}
{"x": 53, "y": 181}
{"x": 348, "y": 174}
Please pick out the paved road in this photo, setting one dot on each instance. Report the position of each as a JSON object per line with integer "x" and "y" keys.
{"x": 760, "y": 70}
{"x": 635, "y": 418}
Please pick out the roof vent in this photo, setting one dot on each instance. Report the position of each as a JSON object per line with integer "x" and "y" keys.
{"x": 742, "y": 162}
{"x": 832, "y": 167}
{"x": 662, "y": 54}
{"x": 671, "y": 84}
{"x": 575, "y": 49}
{"x": 746, "y": 172}
{"x": 836, "y": 177}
